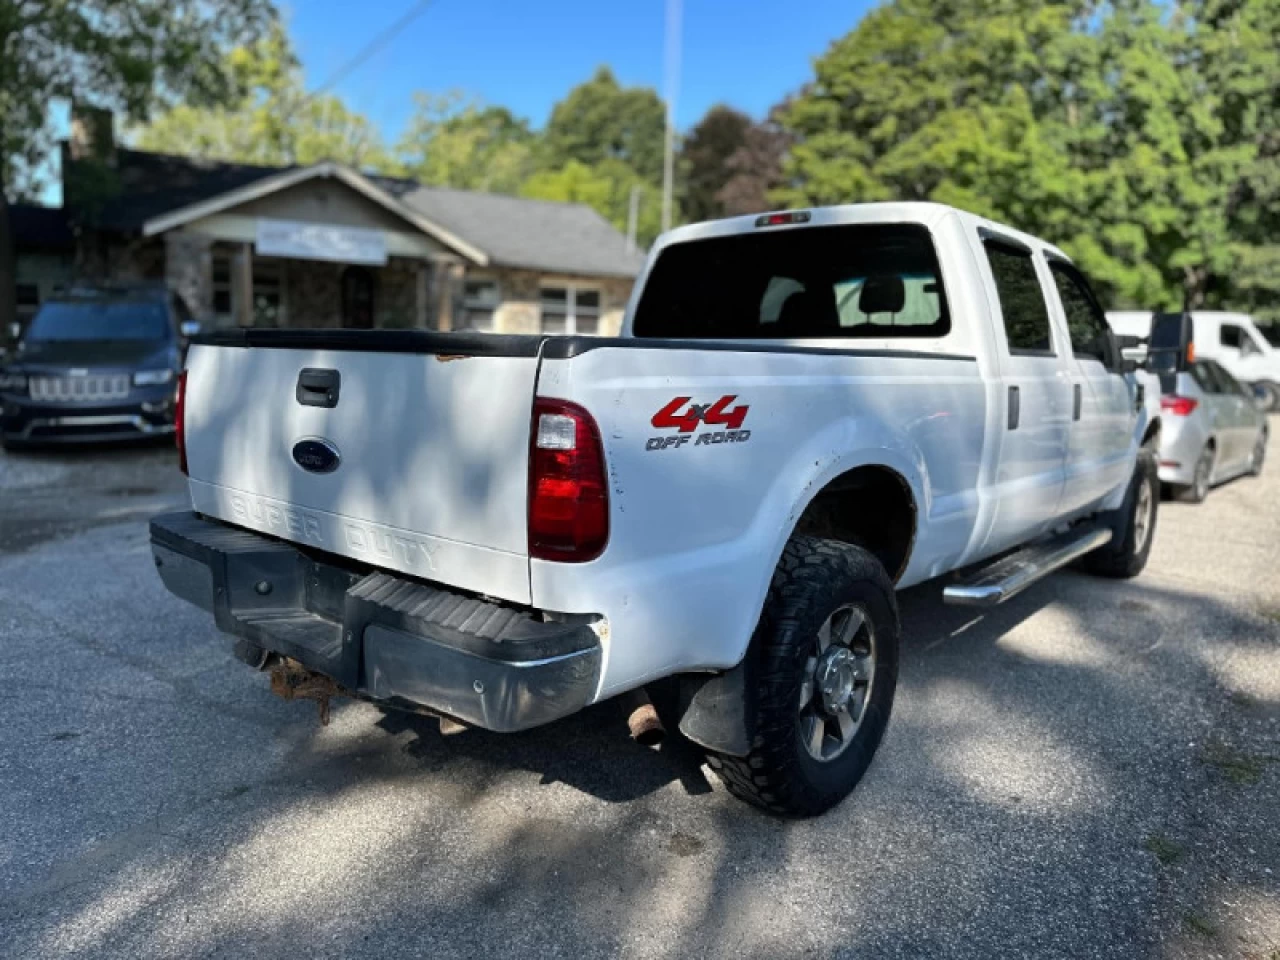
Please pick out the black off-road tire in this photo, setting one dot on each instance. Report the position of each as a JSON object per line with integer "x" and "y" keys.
{"x": 1127, "y": 553}
{"x": 814, "y": 578}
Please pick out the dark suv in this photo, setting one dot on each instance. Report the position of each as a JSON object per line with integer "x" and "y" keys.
{"x": 95, "y": 364}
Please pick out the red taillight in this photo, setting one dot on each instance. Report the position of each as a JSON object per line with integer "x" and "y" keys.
{"x": 782, "y": 219}
{"x": 568, "y": 489}
{"x": 1178, "y": 406}
{"x": 179, "y": 421}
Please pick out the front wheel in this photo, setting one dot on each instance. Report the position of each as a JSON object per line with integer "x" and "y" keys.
{"x": 1133, "y": 525}
{"x": 824, "y": 663}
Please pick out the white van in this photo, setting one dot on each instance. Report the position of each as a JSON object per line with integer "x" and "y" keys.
{"x": 1233, "y": 339}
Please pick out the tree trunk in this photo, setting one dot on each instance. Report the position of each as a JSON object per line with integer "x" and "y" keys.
{"x": 1194, "y": 282}
{"x": 8, "y": 272}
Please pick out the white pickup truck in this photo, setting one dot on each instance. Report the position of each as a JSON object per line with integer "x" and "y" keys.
{"x": 804, "y": 412}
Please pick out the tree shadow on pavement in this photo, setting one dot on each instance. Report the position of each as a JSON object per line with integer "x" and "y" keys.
{"x": 1034, "y": 751}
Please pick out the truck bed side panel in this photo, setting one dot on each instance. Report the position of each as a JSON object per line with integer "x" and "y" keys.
{"x": 698, "y": 523}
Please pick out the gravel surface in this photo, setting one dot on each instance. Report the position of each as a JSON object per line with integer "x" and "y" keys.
{"x": 1092, "y": 770}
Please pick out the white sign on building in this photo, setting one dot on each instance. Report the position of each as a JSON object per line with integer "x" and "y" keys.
{"x": 320, "y": 241}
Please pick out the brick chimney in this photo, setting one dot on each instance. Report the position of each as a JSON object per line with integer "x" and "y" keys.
{"x": 92, "y": 134}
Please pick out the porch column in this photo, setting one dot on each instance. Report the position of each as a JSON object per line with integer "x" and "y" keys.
{"x": 242, "y": 285}
{"x": 449, "y": 281}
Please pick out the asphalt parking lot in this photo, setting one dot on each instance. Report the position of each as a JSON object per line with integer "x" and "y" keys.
{"x": 1092, "y": 770}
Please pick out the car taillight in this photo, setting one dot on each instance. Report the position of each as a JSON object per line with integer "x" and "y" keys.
{"x": 179, "y": 421}
{"x": 1178, "y": 406}
{"x": 568, "y": 488}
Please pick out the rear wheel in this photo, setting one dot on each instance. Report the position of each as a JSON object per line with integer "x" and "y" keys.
{"x": 1259, "y": 455}
{"x": 1198, "y": 489}
{"x": 825, "y": 666}
{"x": 1133, "y": 525}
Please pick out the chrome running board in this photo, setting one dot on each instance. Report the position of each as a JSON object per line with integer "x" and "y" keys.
{"x": 1012, "y": 574}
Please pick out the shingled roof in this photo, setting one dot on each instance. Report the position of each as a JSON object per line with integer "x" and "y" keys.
{"x": 45, "y": 229}
{"x": 533, "y": 234}
{"x": 567, "y": 238}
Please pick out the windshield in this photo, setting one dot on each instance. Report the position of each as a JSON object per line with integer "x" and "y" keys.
{"x": 818, "y": 282}
{"x": 102, "y": 320}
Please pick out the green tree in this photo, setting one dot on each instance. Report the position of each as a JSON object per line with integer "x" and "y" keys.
{"x": 755, "y": 168}
{"x": 1138, "y": 136}
{"x": 704, "y": 160}
{"x": 606, "y": 187}
{"x": 600, "y": 120}
{"x": 274, "y": 121}
{"x": 128, "y": 55}
{"x": 451, "y": 141}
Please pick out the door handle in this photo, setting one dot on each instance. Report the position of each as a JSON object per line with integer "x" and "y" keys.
{"x": 1015, "y": 407}
{"x": 318, "y": 387}
{"x": 1077, "y": 401}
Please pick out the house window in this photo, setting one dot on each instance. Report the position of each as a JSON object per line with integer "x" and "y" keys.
{"x": 28, "y": 301}
{"x": 570, "y": 310}
{"x": 480, "y": 299}
{"x": 268, "y": 301}
{"x": 268, "y": 295}
{"x": 222, "y": 309}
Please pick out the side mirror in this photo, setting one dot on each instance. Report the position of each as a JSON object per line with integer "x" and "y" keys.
{"x": 189, "y": 328}
{"x": 1170, "y": 348}
{"x": 1261, "y": 395}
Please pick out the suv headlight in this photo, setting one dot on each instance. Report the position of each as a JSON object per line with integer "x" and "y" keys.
{"x": 151, "y": 378}
{"x": 13, "y": 382}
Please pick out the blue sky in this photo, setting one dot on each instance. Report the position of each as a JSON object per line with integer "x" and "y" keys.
{"x": 526, "y": 55}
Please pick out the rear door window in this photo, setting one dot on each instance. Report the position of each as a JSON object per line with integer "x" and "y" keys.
{"x": 847, "y": 281}
{"x": 1022, "y": 306}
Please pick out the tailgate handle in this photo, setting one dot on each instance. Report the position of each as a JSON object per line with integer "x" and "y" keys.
{"x": 318, "y": 387}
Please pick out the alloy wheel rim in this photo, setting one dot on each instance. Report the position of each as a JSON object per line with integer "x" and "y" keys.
{"x": 1143, "y": 516}
{"x": 838, "y": 678}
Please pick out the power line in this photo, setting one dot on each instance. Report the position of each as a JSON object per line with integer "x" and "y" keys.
{"x": 372, "y": 47}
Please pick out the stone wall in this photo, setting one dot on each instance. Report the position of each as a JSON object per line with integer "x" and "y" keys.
{"x": 188, "y": 269}
{"x": 521, "y": 312}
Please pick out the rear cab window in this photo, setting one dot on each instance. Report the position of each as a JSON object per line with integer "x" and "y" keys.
{"x": 869, "y": 281}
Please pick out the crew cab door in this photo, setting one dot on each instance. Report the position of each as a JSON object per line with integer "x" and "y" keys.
{"x": 1102, "y": 401}
{"x": 1035, "y": 396}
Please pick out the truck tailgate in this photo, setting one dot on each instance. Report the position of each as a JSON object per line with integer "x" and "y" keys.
{"x": 432, "y": 452}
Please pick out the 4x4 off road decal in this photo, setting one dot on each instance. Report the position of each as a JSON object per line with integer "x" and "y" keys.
{"x": 683, "y": 415}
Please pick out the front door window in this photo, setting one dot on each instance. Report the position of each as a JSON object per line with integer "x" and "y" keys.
{"x": 357, "y": 299}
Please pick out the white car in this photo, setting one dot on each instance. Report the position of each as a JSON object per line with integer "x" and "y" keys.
{"x": 1232, "y": 339}
{"x": 1213, "y": 430}
{"x": 805, "y": 412}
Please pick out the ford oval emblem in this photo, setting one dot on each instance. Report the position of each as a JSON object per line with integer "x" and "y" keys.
{"x": 316, "y": 456}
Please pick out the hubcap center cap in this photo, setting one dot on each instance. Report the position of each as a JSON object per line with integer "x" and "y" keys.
{"x": 835, "y": 678}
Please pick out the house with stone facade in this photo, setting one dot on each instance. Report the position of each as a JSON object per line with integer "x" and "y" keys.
{"x": 330, "y": 246}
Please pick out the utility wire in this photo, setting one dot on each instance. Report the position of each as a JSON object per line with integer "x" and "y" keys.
{"x": 372, "y": 47}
